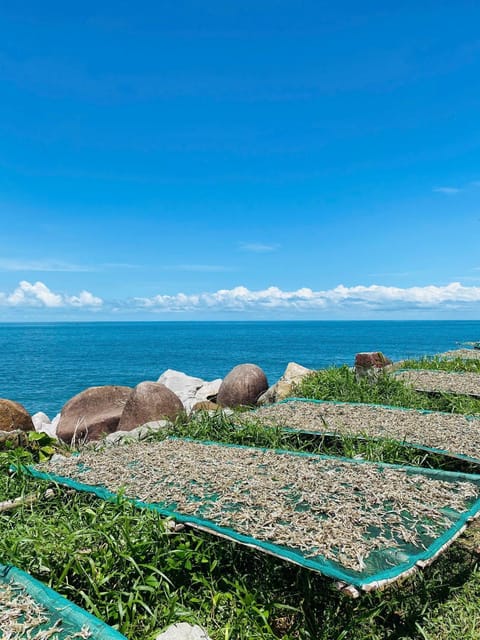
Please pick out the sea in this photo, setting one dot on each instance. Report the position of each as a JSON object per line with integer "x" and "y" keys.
{"x": 44, "y": 365}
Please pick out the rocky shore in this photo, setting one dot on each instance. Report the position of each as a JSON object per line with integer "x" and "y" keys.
{"x": 113, "y": 412}
{"x": 109, "y": 410}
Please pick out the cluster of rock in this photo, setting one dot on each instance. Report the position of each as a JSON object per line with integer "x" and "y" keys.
{"x": 99, "y": 411}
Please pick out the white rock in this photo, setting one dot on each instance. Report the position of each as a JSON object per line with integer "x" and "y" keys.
{"x": 183, "y": 631}
{"x": 48, "y": 428}
{"x": 185, "y": 387}
{"x": 40, "y": 418}
{"x": 55, "y": 421}
{"x": 208, "y": 390}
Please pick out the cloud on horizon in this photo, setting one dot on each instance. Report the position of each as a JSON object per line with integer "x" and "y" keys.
{"x": 368, "y": 297}
{"x": 241, "y": 299}
{"x": 39, "y": 295}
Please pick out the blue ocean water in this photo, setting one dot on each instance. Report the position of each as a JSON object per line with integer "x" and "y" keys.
{"x": 44, "y": 365}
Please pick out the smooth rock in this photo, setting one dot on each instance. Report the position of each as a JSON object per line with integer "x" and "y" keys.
{"x": 183, "y": 631}
{"x": 149, "y": 401}
{"x": 14, "y": 416}
{"x": 243, "y": 386}
{"x": 92, "y": 413}
{"x": 282, "y": 389}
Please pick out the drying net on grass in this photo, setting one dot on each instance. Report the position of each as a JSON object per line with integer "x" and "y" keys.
{"x": 31, "y": 611}
{"x": 433, "y": 381}
{"x": 364, "y": 524}
{"x": 449, "y": 434}
{"x": 464, "y": 354}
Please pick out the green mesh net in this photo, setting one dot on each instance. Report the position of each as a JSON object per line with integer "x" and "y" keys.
{"x": 29, "y": 610}
{"x": 449, "y": 434}
{"x": 364, "y": 524}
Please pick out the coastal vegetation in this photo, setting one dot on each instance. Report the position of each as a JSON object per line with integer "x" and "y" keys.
{"x": 341, "y": 384}
{"x": 139, "y": 573}
{"x": 443, "y": 364}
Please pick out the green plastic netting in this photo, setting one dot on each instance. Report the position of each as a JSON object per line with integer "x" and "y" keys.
{"x": 453, "y": 435}
{"x": 364, "y": 524}
{"x": 31, "y": 610}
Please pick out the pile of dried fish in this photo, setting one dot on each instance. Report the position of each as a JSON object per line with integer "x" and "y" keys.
{"x": 442, "y": 381}
{"x": 21, "y": 618}
{"x": 465, "y": 354}
{"x": 454, "y": 433}
{"x": 336, "y": 509}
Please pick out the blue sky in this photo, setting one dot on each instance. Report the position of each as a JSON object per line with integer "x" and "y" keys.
{"x": 239, "y": 160}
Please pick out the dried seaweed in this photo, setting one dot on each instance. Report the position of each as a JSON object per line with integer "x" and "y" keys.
{"x": 332, "y": 508}
{"x": 21, "y": 618}
{"x": 454, "y": 433}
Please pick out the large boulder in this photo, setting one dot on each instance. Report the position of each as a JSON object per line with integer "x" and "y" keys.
{"x": 149, "y": 401}
{"x": 282, "y": 389}
{"x": 91, "y": 413}
{"x": 243, "y": 386}
{"x": 14, "y": 416}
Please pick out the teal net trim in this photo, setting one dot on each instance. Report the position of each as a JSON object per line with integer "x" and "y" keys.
{"x": 406, "y": 443}
{"x": 59, "y": 613}
{"x": 387, "y": 562}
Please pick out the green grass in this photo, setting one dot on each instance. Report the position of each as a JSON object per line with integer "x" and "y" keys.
{"x": 341, "y": 384}
{"x": 443, "y": 364}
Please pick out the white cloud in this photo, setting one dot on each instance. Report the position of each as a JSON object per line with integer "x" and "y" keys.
{"x": 449, "y": 191}
{"x": 84, "y": 299}
{"x": 39, "y": 295}
{"x": 258, "y": 247}
{"x": 240, "y": 299}
{"x": 371, "y": 297}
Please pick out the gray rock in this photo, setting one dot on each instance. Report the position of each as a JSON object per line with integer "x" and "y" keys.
{"x": 92, "y": 413}
{"x": 243, "y": 386}
{"x": 183, "y": 631}
{"x": 208, "y": 391}
{"x": 149, "y": 401}
{"x": 140, "y": 433}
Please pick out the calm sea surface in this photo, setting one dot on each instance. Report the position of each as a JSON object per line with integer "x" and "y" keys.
{"x": 43, "y": 365}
